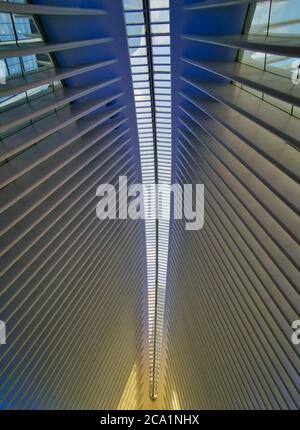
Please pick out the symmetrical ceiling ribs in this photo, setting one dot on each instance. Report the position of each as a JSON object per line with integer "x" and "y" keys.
{"x": 71, "y": 285}
{"x": 235, "y": 284}
{"x": 148, "y": 31}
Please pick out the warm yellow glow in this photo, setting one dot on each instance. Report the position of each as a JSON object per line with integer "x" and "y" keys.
{"x": 175, "y": 402}
{"x": 131, "y": 394}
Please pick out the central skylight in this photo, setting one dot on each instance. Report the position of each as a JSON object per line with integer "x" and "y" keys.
{"x": 148, "y": 31}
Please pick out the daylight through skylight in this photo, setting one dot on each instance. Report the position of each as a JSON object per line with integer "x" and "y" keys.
{"x": 148, "y": 31}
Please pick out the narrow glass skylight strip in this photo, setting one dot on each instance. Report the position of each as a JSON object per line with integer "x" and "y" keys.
{"x": 160, "y": 45}
{"x": 139, "y": 56}
{"x": 154, "y": 166}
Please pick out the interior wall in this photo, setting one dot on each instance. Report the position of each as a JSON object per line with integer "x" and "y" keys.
{"x": 73, "y": 287}
{"x": 232, "y": 287}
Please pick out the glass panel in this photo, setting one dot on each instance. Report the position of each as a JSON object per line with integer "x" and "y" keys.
{"x": 13, "y": 67}
{"x": 156, "y": 4}
{"x": 161, "y": 60}
{"x": 140, "y": 84}
{"x": 163, "y": 84}
{"x": 133, "y": 4}
{"x": 296, "y": 111}
{"x": 142, "y": 99}
{"x": 25, "y": 27}
{"x": 134, "y": 17}
{"x": 162, "y": 97}
{"x": 139, "y": 69}
{"x": 143, "y": 110}
{"x": 138, "y": 96}
{"x": 138, "y": 51}
{"x": 160, "y": 16}
{"x": 282, "y": 66}
{"x": 162, "y": 103}
{"x": 162, "y": 76}
{"x": 142, "y": 104}
{"x": 278, "y": 103}
{"x": 285, "y": 18}
{"x": 139, "y": 61}
{"x": 256, "y": 59}
{"x": 6, "y": 28}
{"x": 133, "y": 30}
{"x": 162, "y": 90}
{"x": 259, "y": 22}
{"x": 258, "y": 94}
{"x": 160, "y": 40}
{"x": 143, "y": 77}
{"x": 144, "y": 115}
{"x": 145, "y": 121}
{"x": 163, "y": 109}
{"x": 160, "y": 28}
{"x": 273, "y": 18}
{"x": 161, "y": 50}
{"x": 137, "y": 41}
{"x": 162, "y": 68}
{"x": 18, "y": 29}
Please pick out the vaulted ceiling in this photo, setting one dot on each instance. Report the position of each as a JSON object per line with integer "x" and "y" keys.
{"x": 100, "y": 314}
